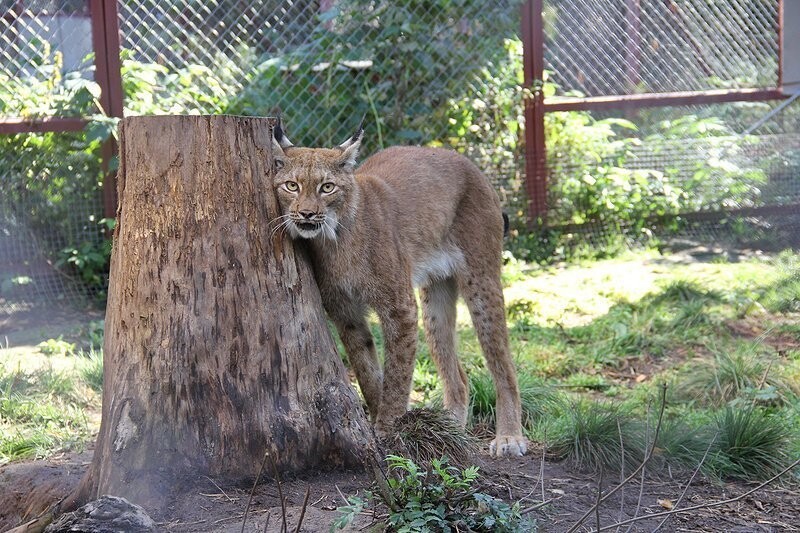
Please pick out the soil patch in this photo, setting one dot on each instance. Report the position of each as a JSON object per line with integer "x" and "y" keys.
{"x": 211, "y": 506}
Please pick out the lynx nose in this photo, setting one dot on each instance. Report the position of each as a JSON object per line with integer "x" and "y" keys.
{"x": 308, "y": 215}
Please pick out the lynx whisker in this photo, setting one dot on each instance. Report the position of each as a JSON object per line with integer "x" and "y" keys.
{"x": 281, "y": 228}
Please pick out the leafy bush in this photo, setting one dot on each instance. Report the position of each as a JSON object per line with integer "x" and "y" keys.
{"x": 442, "y": 498}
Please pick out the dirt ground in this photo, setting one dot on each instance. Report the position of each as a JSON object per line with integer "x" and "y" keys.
{"x": 212, "y": 507}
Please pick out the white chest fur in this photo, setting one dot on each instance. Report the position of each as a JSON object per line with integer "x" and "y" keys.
{"x": 440, "y": 264}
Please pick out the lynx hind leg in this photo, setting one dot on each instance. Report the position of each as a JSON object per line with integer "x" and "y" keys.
{"x": 483, "y": 293}
{"x": 439, "y": 315}
{"x": 357, "y": 339}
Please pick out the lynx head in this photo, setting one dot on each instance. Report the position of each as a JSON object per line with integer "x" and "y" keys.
{"x": 316, "y": 187}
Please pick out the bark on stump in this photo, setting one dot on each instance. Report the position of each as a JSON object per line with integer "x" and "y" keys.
{"x": 216, "y": 345}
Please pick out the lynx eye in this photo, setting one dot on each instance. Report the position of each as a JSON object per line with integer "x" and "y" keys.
{"x": 291, "y": 186}
{"x": 327, "y": 187}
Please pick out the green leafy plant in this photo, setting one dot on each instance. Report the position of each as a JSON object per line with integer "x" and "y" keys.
{"x": 90, "y": 260}
{"x": 440, "y": 498}
{"x": 58, "y": 347}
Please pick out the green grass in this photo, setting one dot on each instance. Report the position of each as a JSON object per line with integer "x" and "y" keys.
{"x": 752, "y": 444}
{"x": 733, "y": 371}
{"x": 45, "y": 405}
{"x": 591, "y": 342}
{"x": 597, "y": 436}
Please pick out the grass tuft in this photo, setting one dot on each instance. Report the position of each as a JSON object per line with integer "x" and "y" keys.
{"x": 426, "y": 434}
{"x": 741, "y": 371}
{"x": 752, "y": 444}
{"x": 537, "y": 398}
{"x": 684, "y": 292}
{"x": 91, "y": 369}
{"x": 591, "y": 436}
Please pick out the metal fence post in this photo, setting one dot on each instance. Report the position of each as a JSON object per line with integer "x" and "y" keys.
{"x": 105, "y": 38}
{"x": 535, "y": 149}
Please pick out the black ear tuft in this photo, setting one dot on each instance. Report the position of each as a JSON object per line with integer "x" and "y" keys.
{"x": 355, "y": 139}
{"x": 360, "y": 130}
{"x": 278, "y": 130}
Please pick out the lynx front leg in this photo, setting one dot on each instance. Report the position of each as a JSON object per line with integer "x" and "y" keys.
{"x": 399, "y": 321}
{"x": 353, "y": 329}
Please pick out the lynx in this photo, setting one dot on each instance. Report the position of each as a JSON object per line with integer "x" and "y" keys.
{"x": 406, "y": 217}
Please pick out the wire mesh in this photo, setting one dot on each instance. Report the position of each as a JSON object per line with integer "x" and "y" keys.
{"x": 322, "y": 64}
{"x": 615, "y": 47}
{"x": 687, "y": 172}
{"x": 49, "y": 198}
{"x": 50, "y": 202}
{"x": 442, "y": 73}
{"x": 44, "y": 56}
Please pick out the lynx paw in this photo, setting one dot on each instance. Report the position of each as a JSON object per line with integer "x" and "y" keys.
{"x": 508, "y": 445}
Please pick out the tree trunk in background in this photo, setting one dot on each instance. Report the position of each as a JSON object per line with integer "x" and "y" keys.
{"x": 216, "y": 345}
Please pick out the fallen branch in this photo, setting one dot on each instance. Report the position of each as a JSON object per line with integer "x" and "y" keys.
{"x": 686, "y": 488}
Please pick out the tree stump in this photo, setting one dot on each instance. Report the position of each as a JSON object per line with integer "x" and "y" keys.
{"x": 216, "y": 344}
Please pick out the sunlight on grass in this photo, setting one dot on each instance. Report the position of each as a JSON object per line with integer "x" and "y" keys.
{"x": 592, "y": 342}
{"x": 45, "y": 405}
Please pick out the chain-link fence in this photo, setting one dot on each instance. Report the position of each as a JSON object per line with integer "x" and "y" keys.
{"x": 50, "y": 201}
{"x": 615, "y": 47}
{"x": 628, "y": 160}
{"x": 417, "y": 72}
{"x": 436, "y": 72}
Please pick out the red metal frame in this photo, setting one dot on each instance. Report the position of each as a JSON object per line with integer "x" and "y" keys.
{"x": 105, "y": 37}
{"x": 535, "y": 148}
{"x": 105, "y": 41}
{"x": 536, "y": 105}
{"x": 631, "y": 101}
{"x": 10, "y": 126}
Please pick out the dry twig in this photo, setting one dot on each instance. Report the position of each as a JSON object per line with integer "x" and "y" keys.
{"x": 253, "y": 490}
{"x": 633, "y": 474}
{"x": 303, "y": 510}
{"x": 705, "y": 505}
{"x": 691, "y": 479}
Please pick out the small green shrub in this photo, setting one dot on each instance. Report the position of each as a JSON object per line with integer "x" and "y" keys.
{"x": 440, "y": 498}
{"x": 57, "y": 347}
{"x": 90, "y": 260}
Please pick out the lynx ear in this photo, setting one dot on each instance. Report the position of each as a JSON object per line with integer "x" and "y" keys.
{"x": 350, "y": 147}
{"x": 279, "y": 138}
